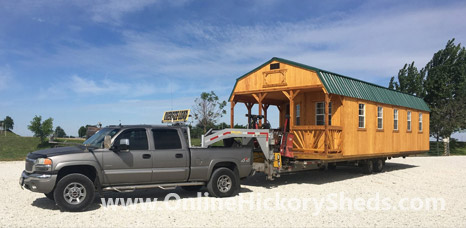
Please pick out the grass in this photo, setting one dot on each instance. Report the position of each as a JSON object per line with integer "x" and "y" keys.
{"x": 197, "y": 142}
{"x": 456, "y": 148}
{"x": 14, "y": 147}
{"x": 69, "y": 140}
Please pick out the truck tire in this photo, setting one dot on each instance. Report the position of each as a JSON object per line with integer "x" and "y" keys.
{"x": 49, "y": 195}
{"x": 195, "y": 188}
{"x": 378, "y": 165}
{"x": 368, "y": 167}
{"x": 223, "y": 183}
{"x": 74, "y": 192}
{"x": 332, "y": 166}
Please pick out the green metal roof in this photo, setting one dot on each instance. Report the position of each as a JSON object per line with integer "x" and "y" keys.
{"x": 351, "y": 87}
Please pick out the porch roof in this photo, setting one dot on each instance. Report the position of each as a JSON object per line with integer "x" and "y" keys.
{"x": 351, "y": 87}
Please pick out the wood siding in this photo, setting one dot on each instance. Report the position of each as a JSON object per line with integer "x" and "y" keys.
{"x": 374, "y": 141}
{"x": 265, "y": 79}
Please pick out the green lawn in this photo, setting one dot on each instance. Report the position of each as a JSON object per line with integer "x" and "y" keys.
{"x": 70, "y": 140}
{"x": 197, "y": 142}
{"x": 14, "y": 147}
{"x": 456, "y": 148}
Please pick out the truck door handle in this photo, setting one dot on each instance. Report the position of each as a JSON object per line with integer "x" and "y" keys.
{"x": 178, "y": 155}
{"x": 146, "y": 156}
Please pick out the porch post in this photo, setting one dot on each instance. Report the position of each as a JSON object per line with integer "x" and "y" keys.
{"x": 259, "y": 98}
{"x": 265, "y": 107}
{"x": 327, "y": 101}
{"x": 232, "y": 114}
{"x": 249, "y": 106}
{"x": 291, "y": 95}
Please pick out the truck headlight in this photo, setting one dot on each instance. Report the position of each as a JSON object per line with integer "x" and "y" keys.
{"x": 43, "y": 164}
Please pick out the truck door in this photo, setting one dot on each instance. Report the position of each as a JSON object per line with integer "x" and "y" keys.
{"x": 171, "y": 156}
{"x": 132, "y": 166}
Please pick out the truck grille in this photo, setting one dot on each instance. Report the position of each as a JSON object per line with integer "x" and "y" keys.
{"x": 29, "y": 164}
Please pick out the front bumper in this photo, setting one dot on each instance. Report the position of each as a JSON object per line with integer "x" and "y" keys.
{"x": 43, "y": 183}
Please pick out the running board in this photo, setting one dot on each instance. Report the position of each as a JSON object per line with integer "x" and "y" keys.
{"x": 169, "y": 186}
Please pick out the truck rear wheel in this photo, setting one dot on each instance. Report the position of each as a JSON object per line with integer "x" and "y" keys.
{"x": 368, "y": 167}
{"x": 74, "y": 192}
{"x": 223, "y": 183}
{"x": 378, "y": 165}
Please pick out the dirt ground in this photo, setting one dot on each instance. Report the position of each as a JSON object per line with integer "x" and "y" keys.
{"x": 416, "y": 191}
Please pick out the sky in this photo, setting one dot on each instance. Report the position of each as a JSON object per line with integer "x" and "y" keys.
{"x": 83, "y": 62}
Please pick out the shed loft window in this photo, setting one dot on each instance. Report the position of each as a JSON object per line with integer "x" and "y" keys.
{"x": 298, "y": 114}
{"x": 320, "y": 113}
{"x": 395, "y": 119}
{"x": 409, "y": 121}
{"x": 379, "y": 117}
{"x": 362, "y": 116}
{"x": 420, "y": 121}
{"x": 275, "y": 66}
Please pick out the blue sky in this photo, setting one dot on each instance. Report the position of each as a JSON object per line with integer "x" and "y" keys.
{"x": 82, "y": 61}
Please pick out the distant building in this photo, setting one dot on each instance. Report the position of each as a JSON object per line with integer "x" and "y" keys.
{"x": 91, "y": 130}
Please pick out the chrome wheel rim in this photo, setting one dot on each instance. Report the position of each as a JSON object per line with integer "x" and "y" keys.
{"x": 224, "y": 183}
{"x": 74, "y": 193}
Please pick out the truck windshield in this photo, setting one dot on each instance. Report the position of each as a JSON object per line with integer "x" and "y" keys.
{"x": 97, "y": 139}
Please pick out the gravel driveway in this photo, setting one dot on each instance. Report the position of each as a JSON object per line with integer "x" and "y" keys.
{"x": 347, "y": 198}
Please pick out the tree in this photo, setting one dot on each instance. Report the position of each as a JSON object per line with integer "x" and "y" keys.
{"x": 208, "y": 109}
{"x": 59, "y": 132}
{"x": 442, "y": 84}
{"x": 41, "y": 129}
{"x": 82, "y": 131}
{"x": 8, "y": 122}
{"x": 410, "y": 81}
{"x": 445, "y": 86}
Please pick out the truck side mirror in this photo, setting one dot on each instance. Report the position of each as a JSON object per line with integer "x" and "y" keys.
{"x": 107, "y": 142}
{"x": 124, "y": 145}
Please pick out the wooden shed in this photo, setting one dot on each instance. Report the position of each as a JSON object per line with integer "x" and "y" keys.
{"x": 334, "y": 117}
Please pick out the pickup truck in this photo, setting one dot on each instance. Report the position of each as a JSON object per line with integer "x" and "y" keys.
{"x": 125, "y": 158}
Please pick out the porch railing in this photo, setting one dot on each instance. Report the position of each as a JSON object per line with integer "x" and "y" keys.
{"x": 311, "y": 138}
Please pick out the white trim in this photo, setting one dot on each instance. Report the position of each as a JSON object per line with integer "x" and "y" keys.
{"x": 420, "y": 122}
{"x": 409, "y": 126}
{"x": 363, "y": 115}
{"x": 379, "y": 117}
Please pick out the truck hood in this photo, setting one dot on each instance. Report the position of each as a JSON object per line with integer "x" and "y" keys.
{"x": 57, "y": 151}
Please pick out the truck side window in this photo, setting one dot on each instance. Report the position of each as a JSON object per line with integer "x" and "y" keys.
{"x": 137, "y": 139}
{"x": 166, "y": 139}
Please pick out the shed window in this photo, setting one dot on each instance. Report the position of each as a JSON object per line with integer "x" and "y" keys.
{"x": 409, "y": 120}
{"x": 379, "y": 117}
{"x": 274, "y": 66}
{"x": 298, "y": 114}
{"x": 320, "y": 113}
{"x": 420, "y": 121}
{"x": 395, "y": 119}
{"x": 362, "y": 115}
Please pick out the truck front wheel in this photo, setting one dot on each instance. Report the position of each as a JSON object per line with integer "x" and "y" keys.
{"x": 223, "y": 183}
{"x": 74, "y": 192}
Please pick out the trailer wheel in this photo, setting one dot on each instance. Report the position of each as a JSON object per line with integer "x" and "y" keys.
{"x": 223, "y": 183}
{"x": 378, "y": 165}
{"x": 368, "y": 167}
{"x": 332, "y": 166}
